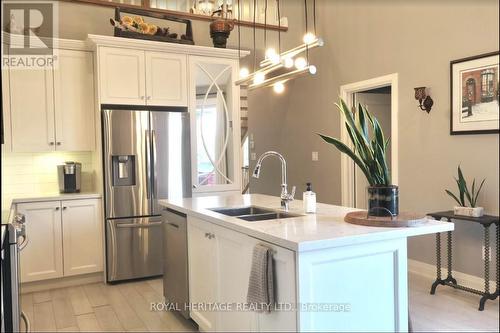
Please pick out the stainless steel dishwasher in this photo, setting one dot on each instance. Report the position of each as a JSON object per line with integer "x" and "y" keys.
{"x": 175, "y": 260}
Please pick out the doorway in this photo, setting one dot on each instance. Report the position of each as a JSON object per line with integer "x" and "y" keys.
{"x": 380, "y": 96}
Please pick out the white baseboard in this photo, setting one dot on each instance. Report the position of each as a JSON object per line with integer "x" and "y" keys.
{"x": 30, "y": 287}
{"x": 428, "y": 271}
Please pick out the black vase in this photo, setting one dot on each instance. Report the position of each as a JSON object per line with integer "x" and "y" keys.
{"x": 383, "y": 200}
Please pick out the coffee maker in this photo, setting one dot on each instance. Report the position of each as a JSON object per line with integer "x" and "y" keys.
{"x": 69, "y": 176}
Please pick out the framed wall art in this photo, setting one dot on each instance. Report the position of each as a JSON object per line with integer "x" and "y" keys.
{"x": 474, "y": 95}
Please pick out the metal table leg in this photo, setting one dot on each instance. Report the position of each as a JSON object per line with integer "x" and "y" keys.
{"x": 450, "y": 280}
{"x": 487, "y": 295}
{"x": 438, "y": 264}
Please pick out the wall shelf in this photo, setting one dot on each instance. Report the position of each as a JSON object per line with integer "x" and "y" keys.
{"x": 175, "y": 13}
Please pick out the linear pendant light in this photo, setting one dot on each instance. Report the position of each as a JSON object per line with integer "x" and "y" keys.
{"x": 275, "y": 61}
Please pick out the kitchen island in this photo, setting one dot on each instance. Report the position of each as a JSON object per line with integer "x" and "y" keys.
{"x": 329, "y": 275}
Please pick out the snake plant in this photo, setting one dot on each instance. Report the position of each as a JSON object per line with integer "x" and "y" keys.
{"x": 369, "y": 146}
{"x": 464, "y": 192}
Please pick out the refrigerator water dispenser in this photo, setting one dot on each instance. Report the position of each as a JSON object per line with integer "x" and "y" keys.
{"x": 123, "y": 170}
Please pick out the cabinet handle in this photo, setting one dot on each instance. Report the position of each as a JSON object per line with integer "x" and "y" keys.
{"x": 51, "y": 143}
{"x": 64, "y": 208}
{"x": 207, "y": 235}
{"x": 57, "y": 208}
{"x": 142, "y": 97}
{"x": 58, "y": 143}
{"x": 148, "y": 98}
{"x": 212, "y": 236}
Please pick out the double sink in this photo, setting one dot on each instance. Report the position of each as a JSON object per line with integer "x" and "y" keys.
{"x": 253, "y": 213}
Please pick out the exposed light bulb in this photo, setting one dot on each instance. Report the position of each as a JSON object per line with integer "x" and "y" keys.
{"x": 313, "y": 70}
{"x": 288, "y": 62}
{"x": 272, "y": 56}
{"x": 300, "y": 63}
{"x": 259, "y": 78}
{"x": 279, "y": 87}
{"x": 244, "y": 72}
{"x": 270, "y": 52}
{"x": 309, "y": 38}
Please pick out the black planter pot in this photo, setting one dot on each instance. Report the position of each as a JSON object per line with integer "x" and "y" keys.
{"x": 383, "y": 200}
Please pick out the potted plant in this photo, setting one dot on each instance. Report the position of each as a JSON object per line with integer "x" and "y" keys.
{"x": 369, "y": 148}
{"x": 464, "y": 194}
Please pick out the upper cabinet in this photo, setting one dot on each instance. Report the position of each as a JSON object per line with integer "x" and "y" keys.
{"x": 74, "y": 101}
{"x": 32, "y": 110}
{"x": 122, "y": 76}
{"x": 215, "y": 124}
{"x": 136, "y": 77}
{"x": 166, "y": 82}
{"x": 53, "y": 109}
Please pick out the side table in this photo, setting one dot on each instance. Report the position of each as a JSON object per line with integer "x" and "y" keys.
{"x": 486, "y": 221}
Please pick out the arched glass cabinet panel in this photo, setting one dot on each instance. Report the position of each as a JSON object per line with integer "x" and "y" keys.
{"x": 215, "y": 125}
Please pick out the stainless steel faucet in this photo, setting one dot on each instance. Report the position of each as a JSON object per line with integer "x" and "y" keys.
{"x": 286, "y": 197}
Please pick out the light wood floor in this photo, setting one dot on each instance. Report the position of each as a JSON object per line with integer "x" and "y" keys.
{"x": 126, "y": 307}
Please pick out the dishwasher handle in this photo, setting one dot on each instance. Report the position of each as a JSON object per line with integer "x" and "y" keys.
{"x": 138, "y": 225}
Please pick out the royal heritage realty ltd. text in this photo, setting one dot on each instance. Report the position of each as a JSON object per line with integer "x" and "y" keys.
{"x": 244, "y": 307}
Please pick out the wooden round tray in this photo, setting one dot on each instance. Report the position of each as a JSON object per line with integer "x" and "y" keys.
{"x": 404, "y": 219}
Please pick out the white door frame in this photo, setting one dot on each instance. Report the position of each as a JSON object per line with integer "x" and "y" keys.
{"x": 346, "y": 164}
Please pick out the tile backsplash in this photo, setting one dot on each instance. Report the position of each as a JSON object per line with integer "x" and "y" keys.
{"x": 31, "y": 174}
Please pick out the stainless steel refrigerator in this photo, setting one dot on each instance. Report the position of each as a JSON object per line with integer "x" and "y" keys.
{"x": 146, "y": 158}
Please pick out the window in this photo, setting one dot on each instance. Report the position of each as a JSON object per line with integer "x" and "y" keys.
{"x": 487, "y": 85}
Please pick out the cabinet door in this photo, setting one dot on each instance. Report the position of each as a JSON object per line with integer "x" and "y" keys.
{"x": 202, "y": 272}
{"x": 234, "y": 261}
{"x": 32, "y": 110}
{"x": 82, "y": 236}
{"x": 42, "y": 257}
{"x": 215, "y": 125}
{"x": 166, "y": 83}
{"x": 74, "y": 101}
{"x": 6, "y": 133}
{"x": 122, "y": 76}
{"x": 285, "y": 289}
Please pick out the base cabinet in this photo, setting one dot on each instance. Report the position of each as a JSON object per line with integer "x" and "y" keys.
{"x": 219, "y": 269}
{"x": 42, "y": 257}
{"x": 81, "y": 233}
{"x": 64, "y": 239}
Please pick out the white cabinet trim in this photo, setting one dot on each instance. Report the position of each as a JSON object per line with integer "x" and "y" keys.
{"x": 99, "y": 40}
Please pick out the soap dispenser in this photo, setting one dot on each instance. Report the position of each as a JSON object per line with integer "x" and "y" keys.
{"x": 309, "y": 199}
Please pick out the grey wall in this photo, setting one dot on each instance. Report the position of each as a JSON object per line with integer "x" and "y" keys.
{"x": 370, "y": 38}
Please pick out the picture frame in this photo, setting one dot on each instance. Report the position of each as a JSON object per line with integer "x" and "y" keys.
{"x": 474, "y": 107}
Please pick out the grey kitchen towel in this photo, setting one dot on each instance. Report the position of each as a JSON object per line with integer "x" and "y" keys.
{"x": 260, "y": 294}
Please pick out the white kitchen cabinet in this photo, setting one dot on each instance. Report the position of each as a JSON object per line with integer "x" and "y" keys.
{"x": 53, "y": 109}
{"x": 122, "y": 76}
{"x": 42, "y": 258}
{"x": 220, "y": 261}
{"x": 215, "y": 125}
{"x": 166, "y": 79}
{"x": 234, "y": 257}
{"x": 32, "y": 110}
{"x": 82, "y": 236}
{"x": 74, "y": 101}
{"x": 137, "y": 77}
{"x": 64, "y": 239}
{"x": 202, "y": 272}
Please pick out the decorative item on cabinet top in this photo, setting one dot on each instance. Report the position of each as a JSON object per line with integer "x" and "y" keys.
{"x": 137, "y": 27}
{"x": 222, "y": 26}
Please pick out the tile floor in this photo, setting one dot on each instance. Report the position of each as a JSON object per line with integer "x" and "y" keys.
{"x": 126, "y": 307}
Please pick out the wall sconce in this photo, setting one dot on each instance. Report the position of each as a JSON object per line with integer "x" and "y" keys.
{"x": 425, "y": 101}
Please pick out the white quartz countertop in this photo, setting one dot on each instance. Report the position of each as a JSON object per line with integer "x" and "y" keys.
{"x": 308, "y": 232}
{"x": 56, "y": 196}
